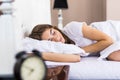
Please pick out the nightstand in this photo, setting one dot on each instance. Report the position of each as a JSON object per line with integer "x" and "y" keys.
{"x": 57, "y": 72}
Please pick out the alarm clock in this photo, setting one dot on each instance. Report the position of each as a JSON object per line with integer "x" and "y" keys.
{"x": 29, "y": 66}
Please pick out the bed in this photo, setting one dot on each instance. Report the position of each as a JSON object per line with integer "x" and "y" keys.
{"x": 92, "y": 67}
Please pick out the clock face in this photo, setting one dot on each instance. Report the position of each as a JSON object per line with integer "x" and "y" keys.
{"x": 33, "y": 68}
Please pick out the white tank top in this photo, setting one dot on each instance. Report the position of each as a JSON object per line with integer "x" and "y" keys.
{"x": 74, "y": 31}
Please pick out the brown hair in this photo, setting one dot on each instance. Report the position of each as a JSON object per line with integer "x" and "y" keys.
{"x": 39, "y": 29}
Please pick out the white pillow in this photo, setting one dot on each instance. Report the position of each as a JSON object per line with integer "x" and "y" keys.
{"x": 49, "y": 46}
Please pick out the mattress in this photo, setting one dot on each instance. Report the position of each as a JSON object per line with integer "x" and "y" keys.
{"x": 91, "y": 68}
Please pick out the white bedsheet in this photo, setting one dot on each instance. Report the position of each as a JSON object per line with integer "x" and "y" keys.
{"x": 91, "y": 68}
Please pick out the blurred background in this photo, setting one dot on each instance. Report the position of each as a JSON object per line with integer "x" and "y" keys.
{"x": 25, "y": 14}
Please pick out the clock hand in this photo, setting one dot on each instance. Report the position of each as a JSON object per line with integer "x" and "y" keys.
{"x": 30, "y": 72}
{"x": 28, "y": 68}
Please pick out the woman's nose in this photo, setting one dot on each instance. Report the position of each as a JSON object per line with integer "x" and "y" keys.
{"x": 56, "y": 38}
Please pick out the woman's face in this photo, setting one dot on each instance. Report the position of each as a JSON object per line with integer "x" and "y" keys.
{"x": 53, "y": 35}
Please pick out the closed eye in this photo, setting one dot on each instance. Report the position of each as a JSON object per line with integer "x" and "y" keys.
{"x": 49, "y": 39}
{"x": 52, "y": 32}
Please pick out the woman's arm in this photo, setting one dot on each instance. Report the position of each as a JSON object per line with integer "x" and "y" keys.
{"x": 103, "y": 40}
{"x": 48, "y": 56}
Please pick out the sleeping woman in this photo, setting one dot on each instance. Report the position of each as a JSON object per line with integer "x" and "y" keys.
{"x": 86, "y": 37}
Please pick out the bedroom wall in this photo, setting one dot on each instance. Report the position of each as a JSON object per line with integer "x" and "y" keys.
{"x": 81, "y": 10}
{"x": 26, "y": 14}
{"x": 113, "y": 9}
{"x": 29, "y": 13}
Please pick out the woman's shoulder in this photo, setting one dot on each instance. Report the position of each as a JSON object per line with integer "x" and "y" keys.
{"x": 73, "y": 25}
{"x": 73, "y": 28}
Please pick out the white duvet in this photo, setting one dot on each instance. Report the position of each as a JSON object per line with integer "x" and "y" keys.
{"x": 112, "y": 28}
